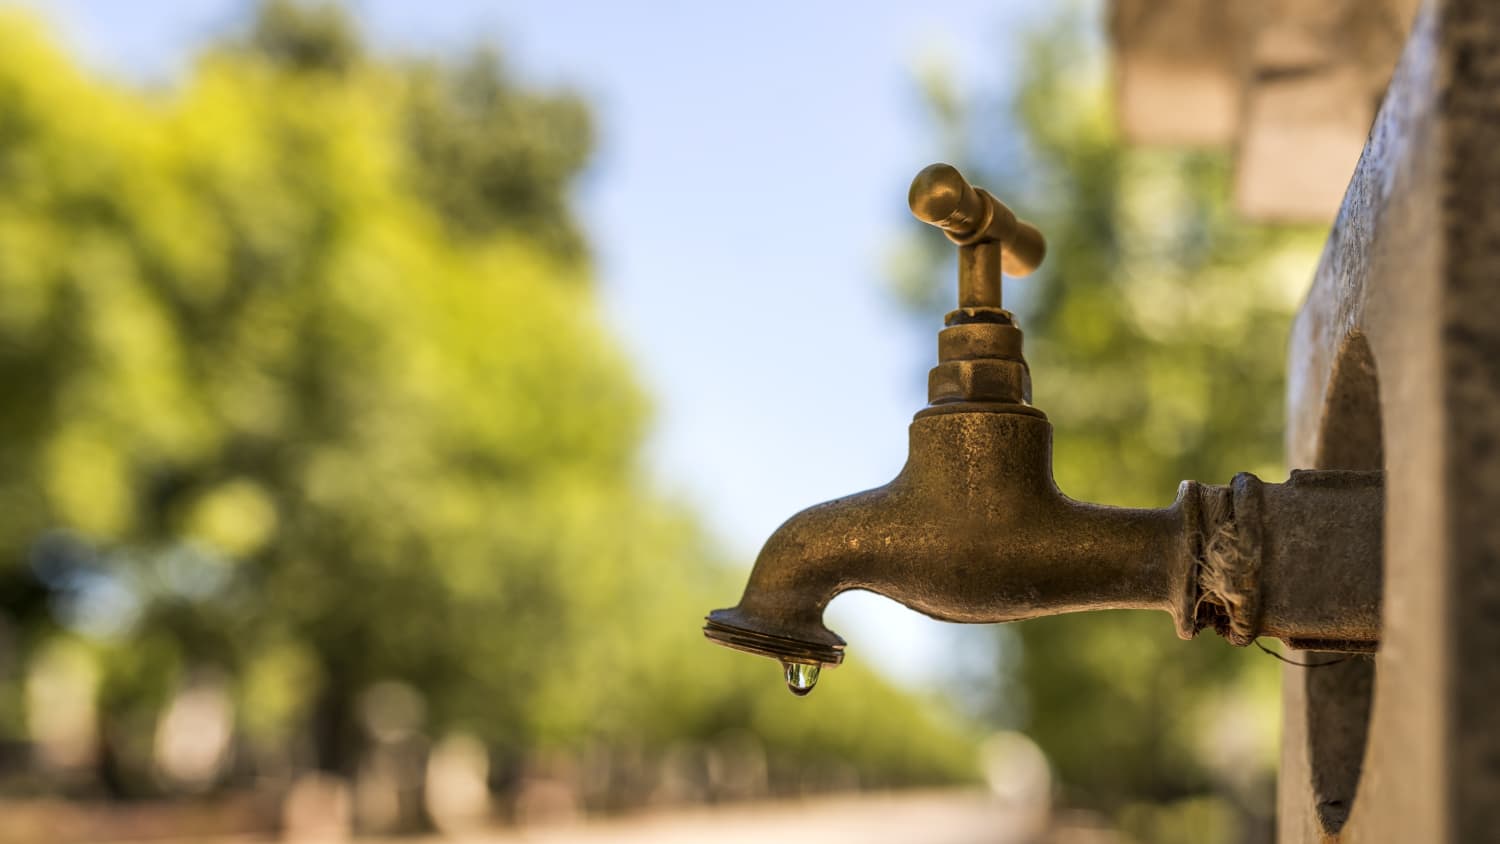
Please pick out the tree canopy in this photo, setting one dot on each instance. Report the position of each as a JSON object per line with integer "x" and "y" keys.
{"x": 306, "y": 385}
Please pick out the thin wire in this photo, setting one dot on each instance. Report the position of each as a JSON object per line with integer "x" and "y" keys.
{"x": 1344, "y": 658}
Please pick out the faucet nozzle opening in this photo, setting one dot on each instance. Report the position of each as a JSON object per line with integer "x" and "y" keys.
{"x": 721, "y": 628}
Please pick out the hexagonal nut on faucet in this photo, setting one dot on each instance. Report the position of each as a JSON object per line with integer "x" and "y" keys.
{"x": 981, "y": 380}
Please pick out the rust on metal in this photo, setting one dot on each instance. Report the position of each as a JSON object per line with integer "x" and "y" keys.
{"x": 974, "y": 528}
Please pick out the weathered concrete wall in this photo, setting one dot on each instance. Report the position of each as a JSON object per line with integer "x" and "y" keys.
{"x": 1412, "y": 272}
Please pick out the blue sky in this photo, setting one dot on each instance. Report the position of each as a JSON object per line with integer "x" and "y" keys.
{"x": 749, "y": 188}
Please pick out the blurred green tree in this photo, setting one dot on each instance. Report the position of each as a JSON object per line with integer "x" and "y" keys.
{"x": 1155, "y": 333}
{"x": 305, "y": 385}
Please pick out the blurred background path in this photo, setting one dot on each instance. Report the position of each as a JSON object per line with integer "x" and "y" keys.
{"x": 944, "y": 817}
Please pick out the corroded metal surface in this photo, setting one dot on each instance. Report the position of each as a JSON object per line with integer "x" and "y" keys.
{"x": 974, "y": 529}
{"x": 1320, "y": 573}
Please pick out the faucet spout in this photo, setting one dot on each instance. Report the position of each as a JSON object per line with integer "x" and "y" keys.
{"x": 972, "y": 530}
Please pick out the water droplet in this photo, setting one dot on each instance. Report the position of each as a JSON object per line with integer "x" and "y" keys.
{"x": 801, "y": 676}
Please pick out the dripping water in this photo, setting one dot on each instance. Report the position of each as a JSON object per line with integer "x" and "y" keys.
{"x": 801, "y": 676}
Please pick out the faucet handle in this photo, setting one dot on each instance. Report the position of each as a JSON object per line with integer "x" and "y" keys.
{"x": 942, "y": 197}
{"x": 992, "y": 240}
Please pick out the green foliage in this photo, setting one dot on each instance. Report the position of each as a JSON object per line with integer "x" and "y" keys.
{"x": 303, "y": 386}
{"x": 1155, "y": 333}
{"x": 488, "y": 156}
{"x": 305, "y": 37}
{"x": 493, "y": 159}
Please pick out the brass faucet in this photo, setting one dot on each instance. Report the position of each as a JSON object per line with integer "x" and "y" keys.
{"x": 974, "y": 529}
